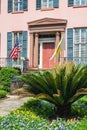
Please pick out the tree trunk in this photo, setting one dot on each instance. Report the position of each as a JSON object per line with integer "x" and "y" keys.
{"x": 64, "y": 110}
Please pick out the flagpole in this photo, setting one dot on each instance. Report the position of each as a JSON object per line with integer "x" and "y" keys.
{"x": 57, "y": 41}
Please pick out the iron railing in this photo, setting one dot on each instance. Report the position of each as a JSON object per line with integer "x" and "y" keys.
{"x": 75, "y": 60}
{"x": 22, "y": 64}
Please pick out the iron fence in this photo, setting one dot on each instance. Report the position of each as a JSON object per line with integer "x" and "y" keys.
{"x": 22, "y": 64}
{"x": 75, "y": 60}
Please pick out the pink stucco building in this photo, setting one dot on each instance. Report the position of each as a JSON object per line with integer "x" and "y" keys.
{"x": 39, "y": 25}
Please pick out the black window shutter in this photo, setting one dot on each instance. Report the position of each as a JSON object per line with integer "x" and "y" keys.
{"x": 70, "y": 44}
{"x": 10, "y": 6}
{"x": 55, "y": 3}
{"x": 9, "y": 48}
{"x": 25, "y": 4}
{"x": 70, "y": 2}
{"x": 38, "y": 4}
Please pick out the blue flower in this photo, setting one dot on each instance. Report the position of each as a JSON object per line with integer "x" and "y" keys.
{"x": 22, "y": 124}
{"x": 56, "y": 128}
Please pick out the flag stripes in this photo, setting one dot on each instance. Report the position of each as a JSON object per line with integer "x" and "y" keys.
{"x": 15, "y": 50}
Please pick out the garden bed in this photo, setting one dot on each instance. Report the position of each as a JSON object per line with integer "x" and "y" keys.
{"x": 35, "y": 115}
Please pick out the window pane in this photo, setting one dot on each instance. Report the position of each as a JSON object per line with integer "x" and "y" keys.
{"x": 77, "y": 2}
{"x": 20, "y": 5}
{"x": 83, "y": 35}
{"x": 76, "y": 51}
{"x": 50, "y": 3}
{"x": 15, "y": 5}
{"x": 20, "y": 38}
{"x": 83, "y": 2}
{"x": 15, "y": 35}
{"x": 77, "y": 36}
{"x": 44, "y": 4}
{"x": 83, "y": 50}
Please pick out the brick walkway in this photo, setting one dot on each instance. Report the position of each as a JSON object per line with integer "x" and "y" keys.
{"x": 12, "y": 102}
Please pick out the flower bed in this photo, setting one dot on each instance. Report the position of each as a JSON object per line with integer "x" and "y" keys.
{"x": 40, "y": 115}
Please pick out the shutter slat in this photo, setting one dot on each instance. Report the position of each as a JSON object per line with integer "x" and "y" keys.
{"x": 55, "y": 3}
{"x": 10, "y": 7}
{"x": 25, "y": 4}
{"x": 70, "y": 44}
{"x": 38, "y": 4}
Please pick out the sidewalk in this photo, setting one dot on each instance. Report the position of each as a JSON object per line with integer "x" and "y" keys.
{"x": 12, "y": 102}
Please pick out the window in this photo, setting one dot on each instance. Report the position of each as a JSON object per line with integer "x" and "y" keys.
{"x": 17, "y": 5}
{"x": 11, "y": 40}
{"x": 80, "y": 2}
{"x": 47, "y": 4}
{"x": 19, "y": 36}
{"x": 41, "y": 4}
{"x": 80, "y": 44}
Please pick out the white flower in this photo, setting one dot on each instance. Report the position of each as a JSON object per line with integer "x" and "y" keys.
{"x": 22, "y": 58}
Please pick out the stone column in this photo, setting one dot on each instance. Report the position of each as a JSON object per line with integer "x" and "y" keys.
{"x": 31, "y": 50}
{"x": 36, "y": 51}
{"x": 57, "y": 41}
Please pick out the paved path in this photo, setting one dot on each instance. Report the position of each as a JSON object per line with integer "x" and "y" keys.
{"x": 12, "y": 102}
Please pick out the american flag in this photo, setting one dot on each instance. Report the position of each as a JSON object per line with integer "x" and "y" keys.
{"x": 15, "y": 50}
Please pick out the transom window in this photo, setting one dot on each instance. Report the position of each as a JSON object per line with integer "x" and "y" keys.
{"x": 80, "y": 2}
{"x": 80, "y": 43}
{"x": 17, "y": 5}
{"x": 47, "y": 3}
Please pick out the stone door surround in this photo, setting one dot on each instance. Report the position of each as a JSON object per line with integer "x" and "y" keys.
{"x": 45, "y": 25}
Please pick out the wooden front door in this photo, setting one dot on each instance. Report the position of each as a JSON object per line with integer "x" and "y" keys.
{"x": 48, "y": 49}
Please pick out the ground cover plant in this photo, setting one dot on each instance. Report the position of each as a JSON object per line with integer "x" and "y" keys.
{"x": 61, "y": 86}
{"x": 36, "y": 115}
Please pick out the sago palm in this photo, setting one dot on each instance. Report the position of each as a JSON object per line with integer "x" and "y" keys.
{"x": 61, "y": 86}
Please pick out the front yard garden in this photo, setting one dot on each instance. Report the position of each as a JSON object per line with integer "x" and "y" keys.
{"x": 59, "y": 101}
{"x": 40, "y": 115}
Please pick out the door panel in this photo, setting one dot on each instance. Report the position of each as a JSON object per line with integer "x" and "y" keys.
{"x": 48, "y": 49}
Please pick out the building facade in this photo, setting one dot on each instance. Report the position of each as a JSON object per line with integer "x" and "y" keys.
{"x": 39, "y": 26}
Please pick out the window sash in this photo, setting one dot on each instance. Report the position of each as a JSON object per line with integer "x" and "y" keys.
{"x": 18, "y": 5}
{"x": 80, "y": 36}
{"x": 47, "y": 3}
{"x": 80, "y": 2}
{"x": 80, "y": 42}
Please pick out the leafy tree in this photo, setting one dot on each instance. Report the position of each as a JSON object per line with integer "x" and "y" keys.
{"x": 60, "y": 86}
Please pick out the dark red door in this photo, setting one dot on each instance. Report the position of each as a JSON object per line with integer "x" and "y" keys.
{"x": 48, "y": 49}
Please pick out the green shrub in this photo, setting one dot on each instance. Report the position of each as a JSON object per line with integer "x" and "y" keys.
{"x": 61, "y": 86}
{"x": 3, "y": 93}
{"x": 6, "y": 75}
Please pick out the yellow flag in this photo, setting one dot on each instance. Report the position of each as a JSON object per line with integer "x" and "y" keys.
{"x": 57, "y": 50}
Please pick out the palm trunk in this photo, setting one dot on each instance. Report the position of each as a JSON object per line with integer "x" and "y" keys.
{"x": 64, "y": 110}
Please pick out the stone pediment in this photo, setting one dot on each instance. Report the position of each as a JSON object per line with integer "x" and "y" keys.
{"x": 47, "y": 21}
